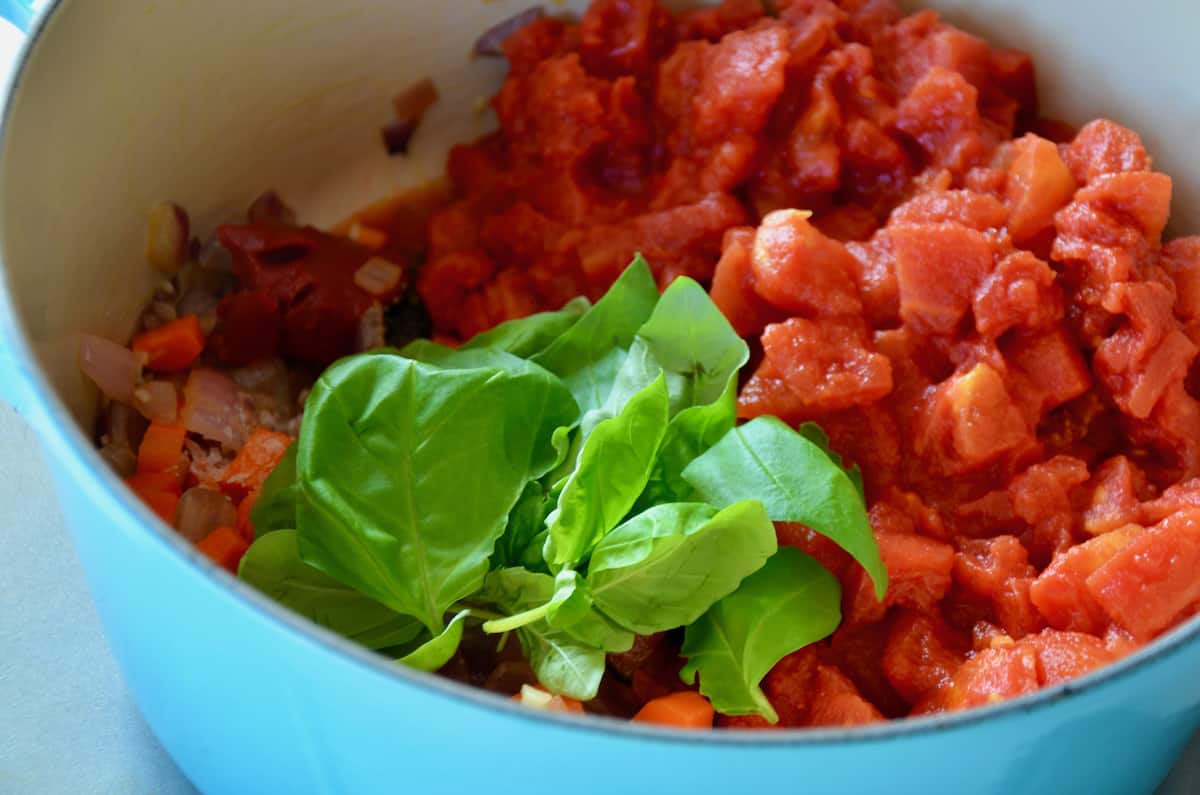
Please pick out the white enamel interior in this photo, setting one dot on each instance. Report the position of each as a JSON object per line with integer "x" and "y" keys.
{"x": 124, "y": 103}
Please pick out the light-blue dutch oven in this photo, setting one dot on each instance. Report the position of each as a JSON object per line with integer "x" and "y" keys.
{"x": 117, "y": 104}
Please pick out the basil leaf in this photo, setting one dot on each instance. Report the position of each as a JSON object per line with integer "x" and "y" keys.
{"x": 789, "y": 603}
{"x": 437, "y": 651}
{"x": 689, "y": 434}
{"x": 275, "y": 508}
{"x": 514, "y": 589}
{"x": 664, "y": 568}
{"x": 795, "y": 480}
{"x": 385, "y": 457}
{"x": 571, "y": 601}
{"x": 614, "y": 466}
{"x": 687, "y": 338}
{"x": 273, "y": 566}
{"x": 568, "y": 606}
{"x": 563, "y": 665}
{"x": 526, "y": 521}
{"x": 528, "y": 336}
{"x": 588, "y": 355}
{"x": 816, "y": 434}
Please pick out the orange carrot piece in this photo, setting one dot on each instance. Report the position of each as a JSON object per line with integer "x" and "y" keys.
{"x": 224, "y": 547}
{"x": 245, "y": 526}
{"x": 154, "y": 481}
{"x": 254, "y": 462}
{"x": 161, "y": 502}
{"x": 161, "y": 447}
{"x": 369, "y": 236}
{"x": 173, "y": 347}
{"x": 682, "y": 710}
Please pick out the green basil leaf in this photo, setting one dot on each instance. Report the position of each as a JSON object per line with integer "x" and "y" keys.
{"x": 665, "y": 567}
{"x": 563, "y": 664}
{"x": 273, "y": 566}
{"x": 689, "y": 434}
{"x": 385, "y": 455}
{"x": 275, "y": 508}
{"x": 816, "y": 434}
{"x": 526, "y": 522}
{"x": 528, "y": 336}
{"x": 789, "y": 603}
{"x": 571, "y": 601}
{"x": 795, "y": 480}
{"x": 588, "y": 355}
{"x": 614, "y": 466}
{"x": 437, "y": 651}
{"x": 516, "y": 590}
{"x": 688, "y": 339}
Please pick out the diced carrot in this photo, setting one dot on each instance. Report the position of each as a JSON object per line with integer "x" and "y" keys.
{"x": 154, "y": 481}
{"x": 537, "y": 698}
{"x": 161, "y": 447}
{"x": 368, "y": 236}
{"x": 245, "y": 527}
{"x": 159, "y": 491}
{"x": 682, "y": 710}
{"x": 254, "y": 462}
{"x": 173, "y": 347}
{"x": 224, "y": 547}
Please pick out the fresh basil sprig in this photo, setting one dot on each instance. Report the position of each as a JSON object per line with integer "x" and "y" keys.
{"x": 574, "y": 477}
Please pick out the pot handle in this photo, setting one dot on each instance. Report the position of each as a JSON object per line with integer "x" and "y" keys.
{"x": 13, "y": 384}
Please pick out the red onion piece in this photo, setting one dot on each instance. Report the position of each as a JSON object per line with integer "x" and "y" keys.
{"x": 378, "y": 276}
{"x": 491, "y": 43}
{"x": 157, "y": 401}
{"x": 215, "y": 408}
{"x": 113, "y": 367}
{"x": 201, "y": 510}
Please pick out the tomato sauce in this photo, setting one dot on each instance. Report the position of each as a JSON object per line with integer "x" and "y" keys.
{"x": 975, "y": 303}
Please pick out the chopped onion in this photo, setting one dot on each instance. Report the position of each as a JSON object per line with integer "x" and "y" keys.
{"x": 214, "y": 256}
{"x": 167, "y": 237}
{"x": 215, "y": 408}
{"x": 265, "y": 377}
{"x": 208, "y": 462}
{"x": 113, "y": 367}
{"x": 491, "y": 43}
{"x": 372, "y": 331}
{"x": 158, "y": 313}
{"x": 201, "y": 290}
{"x": 411, "y": 103}
{"x": 377, "y": 276}
{"x": 202, "y": 510}
{"x": 121, "y": 430}
{"x": 157, "y": 401}
{"x": 271, "y": 208}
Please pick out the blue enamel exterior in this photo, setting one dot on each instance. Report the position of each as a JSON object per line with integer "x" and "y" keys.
{"x": 250, "y": 699}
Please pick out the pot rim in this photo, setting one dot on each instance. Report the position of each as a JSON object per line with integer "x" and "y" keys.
{"x": 56, "y": 426}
